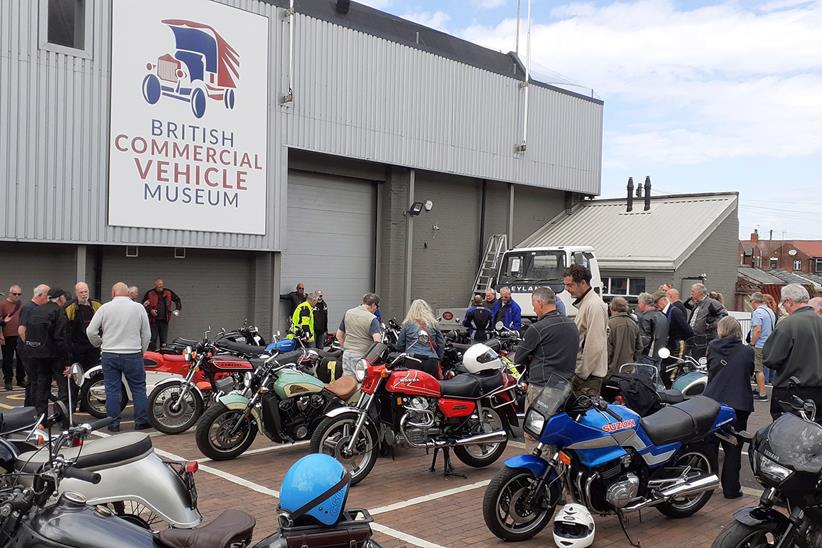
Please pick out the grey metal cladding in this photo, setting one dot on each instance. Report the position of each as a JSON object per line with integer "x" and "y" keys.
{"x": 356, "y": 95}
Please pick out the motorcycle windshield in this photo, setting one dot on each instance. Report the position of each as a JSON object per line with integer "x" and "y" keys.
{"x": 796, "y": 443}
{"x": 556, "y": 392}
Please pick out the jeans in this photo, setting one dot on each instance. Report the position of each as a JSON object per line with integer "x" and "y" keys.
{"x": 9, "y": 355}
{"x": 130, "y": 366}
{"x": 733, "y": 459}
{"x": 159, "y": 334}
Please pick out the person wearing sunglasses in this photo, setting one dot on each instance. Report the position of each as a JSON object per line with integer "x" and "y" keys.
{"x": 9, "y": 322}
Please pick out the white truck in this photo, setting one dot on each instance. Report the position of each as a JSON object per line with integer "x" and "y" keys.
{"x": 526, "y": 268}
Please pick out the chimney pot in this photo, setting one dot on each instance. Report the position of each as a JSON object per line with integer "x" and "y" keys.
{"x": 754, "y": 236}
{"x": 630, "y": 194}
{"x": 647, "y": 193}
{"x": 639, "y": 190}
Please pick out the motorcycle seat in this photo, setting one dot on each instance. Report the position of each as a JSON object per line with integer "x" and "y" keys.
{"x": 231, "y": 528}
{"x": 343, "y": 388}
{"x": 493, "y": 344}
{"x": 240, "y": 348}
{"x": 333, "y": 354}
{"x": 691, "y": 419}
{"x": 289, "y": 357}
{"x": 470, "y": 386}
{"x": 670, "y": 396}
{"x": 460, "y": 347}
{"x": 97, "y": 454}
{"x": 17, "y": 419}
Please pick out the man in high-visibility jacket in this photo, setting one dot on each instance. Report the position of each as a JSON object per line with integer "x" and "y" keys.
{"x": 302, "y": 321}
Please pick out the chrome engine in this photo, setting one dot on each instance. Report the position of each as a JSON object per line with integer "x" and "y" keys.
{"x": 621, "y": 493}
{"x": 418, "y": 421}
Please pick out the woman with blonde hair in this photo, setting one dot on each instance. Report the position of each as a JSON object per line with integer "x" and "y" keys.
{"x": 421, "y": 338}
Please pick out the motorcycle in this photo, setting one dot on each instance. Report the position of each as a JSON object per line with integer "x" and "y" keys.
{"x": 608, "y": 459}
{"x": 121, "y": 464}
{"x": 471, "y": 414}
{"x": 176, "y": 404}
{"x": 785, "y": 459}
{"x": 282, "y": 401}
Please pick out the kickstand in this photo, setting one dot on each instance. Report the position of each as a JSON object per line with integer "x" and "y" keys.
{"x": 448, "y": 469}
{"x": 621, "y": 517}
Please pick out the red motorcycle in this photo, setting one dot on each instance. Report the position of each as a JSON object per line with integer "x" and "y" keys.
{"x": 470, "y": 413}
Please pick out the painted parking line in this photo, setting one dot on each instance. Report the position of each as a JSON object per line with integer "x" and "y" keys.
{"x": 426, "y": 498}
{"x": 262, "y": 450}
{"x": 405, "y": 537}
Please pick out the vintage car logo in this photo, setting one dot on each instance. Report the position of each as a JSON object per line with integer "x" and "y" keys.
{"x": 202, "y": 66}
{"x": 622, "y": 425}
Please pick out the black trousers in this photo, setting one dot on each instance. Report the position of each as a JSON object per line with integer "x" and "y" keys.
{"x": 9, "y": 355}
{"x": 159, "y": 334}
{"x": 429, "y": 365}
{"x": 805, "y": 392}
{"x": 41, "y": 371}
{"x": 733, "y": 458}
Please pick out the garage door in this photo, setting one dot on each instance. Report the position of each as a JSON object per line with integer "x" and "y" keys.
{"x": 330, "y": 239}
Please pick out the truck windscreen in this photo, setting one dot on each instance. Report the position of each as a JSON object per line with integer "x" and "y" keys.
{"x": 532, "y": 267}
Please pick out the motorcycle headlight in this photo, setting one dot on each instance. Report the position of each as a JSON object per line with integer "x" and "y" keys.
{"x": 360, "y": 370}
{"x": 534, "y": 423}
{"x": 247, "y": 379}
{"x": 773, "y": 470}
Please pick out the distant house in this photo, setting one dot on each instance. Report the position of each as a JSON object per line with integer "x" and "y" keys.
{"x": 788, "y": 255}
{"x": 677, "y": 239}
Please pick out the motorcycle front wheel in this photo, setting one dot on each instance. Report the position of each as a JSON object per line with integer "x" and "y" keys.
{"x": 171, "y": 412}
{"x": 738, "y": 535}
{"x": 217, "y": 437}
{"x": 93, "y": 397}
{"x": 510, "y": 508}
{"x": 332, "y": 436}
{"x": 481, "y": 455}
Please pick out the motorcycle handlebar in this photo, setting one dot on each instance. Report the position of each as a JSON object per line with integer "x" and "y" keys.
{"x": 98, "y": 424}
{"x": 82, "y": 475}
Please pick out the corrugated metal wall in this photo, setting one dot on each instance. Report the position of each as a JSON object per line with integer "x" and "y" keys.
{"x": 356, "y": 96}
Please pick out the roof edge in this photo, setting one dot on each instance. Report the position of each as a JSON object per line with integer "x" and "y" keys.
{"x": 666, "y": 196}
{"x": 733, "y": 206}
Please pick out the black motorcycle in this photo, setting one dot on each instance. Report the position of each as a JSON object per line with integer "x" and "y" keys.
{"x": 786, "y": 458}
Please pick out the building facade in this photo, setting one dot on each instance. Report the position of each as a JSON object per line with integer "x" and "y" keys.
{"x": 362, "y": 114}
{"x": 800, "y": 256}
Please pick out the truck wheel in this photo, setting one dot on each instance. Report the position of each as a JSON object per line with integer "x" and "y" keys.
{"x": 151, "y": 89}
{"x": 228, "y": 98}
{"x": 198, "y": 102}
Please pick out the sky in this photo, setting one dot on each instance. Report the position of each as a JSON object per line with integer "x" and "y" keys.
{"x": 701, "y": 96}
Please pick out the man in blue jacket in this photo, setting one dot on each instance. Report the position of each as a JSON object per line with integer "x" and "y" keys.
{"x": 507, "y": 311}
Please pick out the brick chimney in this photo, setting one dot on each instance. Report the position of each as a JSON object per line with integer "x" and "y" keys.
{"x": 755, "y": 236}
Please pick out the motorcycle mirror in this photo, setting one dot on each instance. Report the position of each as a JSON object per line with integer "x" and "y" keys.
{"x": 703, "y": 361}
{"x": 76, "y": 372}
{"x": 664, "y": 353}
{"x": 499, "y": 326}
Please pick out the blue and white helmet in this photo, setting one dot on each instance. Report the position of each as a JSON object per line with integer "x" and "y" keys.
{"x": 316, "y": 486}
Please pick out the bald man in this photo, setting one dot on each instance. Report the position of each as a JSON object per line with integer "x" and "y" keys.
{"x": 125, "y": 336}
{"x": 816, "y": 303}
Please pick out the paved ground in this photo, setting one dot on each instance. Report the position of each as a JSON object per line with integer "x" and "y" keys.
{"x": 413, "y": 507}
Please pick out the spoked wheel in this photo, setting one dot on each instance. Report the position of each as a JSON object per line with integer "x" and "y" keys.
{"x": 699, "y": 461}
{"x": 93, "y": 397}
{"x": 171, "y": 411}
{"x": 224, "y": 433}
{"x": 137, "y": 514}
{"x": 332, "y": 437}
{"x": 483, "y": 454}
{"x": 511, "y": 509}
{"x": 737, "y": 535}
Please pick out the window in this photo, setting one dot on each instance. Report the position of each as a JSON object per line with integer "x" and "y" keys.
{"x": 623, "y": 286}
{"x": 818, "y": 265}
{"x": 774, "y": 262}
{"x": 797, "y": 264}
{"x": 66, "y": 26}
{"x": 533, "y": 267}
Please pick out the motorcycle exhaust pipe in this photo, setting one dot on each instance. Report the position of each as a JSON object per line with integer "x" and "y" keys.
{"x": 695, "y": 487}
{"x": 490, "y": 437}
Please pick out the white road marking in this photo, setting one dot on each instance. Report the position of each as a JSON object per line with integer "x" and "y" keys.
{"x": 751, "y": 492}
{"x": 263, "y": 449}
{"x": 405, "y": 537}
{"x": 427, "y": 498}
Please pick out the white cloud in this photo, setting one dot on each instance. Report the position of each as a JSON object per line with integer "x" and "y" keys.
{"x": 713, "y": 82}
{"x": 434, "y": 19}
{"x": 492, "y": 4}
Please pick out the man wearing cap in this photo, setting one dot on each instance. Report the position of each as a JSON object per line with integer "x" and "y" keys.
{"x": 320, "y": 319}
{"x": 47, "y": 349}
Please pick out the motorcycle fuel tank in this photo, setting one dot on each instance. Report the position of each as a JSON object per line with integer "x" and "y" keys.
{"x": 296, "y": 383}
{"x": 413, "y": 382}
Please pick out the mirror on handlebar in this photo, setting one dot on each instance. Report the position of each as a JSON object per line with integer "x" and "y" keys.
{"x": 76, "y": 372}
{"x": 187, "y": 353}
{"x": 703, "y": 361}
{"x": 499, "y": 326}
{"x": 664, "y": 353}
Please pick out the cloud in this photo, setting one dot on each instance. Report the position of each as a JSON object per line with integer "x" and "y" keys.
{"x": 434, "y": 19}
{"x": 718, "y": 81}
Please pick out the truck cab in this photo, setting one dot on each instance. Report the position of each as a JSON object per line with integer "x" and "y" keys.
{"x": 524, "y": 269}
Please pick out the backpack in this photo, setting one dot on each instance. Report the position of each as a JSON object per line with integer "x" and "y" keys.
{"x": 637, "y": 390}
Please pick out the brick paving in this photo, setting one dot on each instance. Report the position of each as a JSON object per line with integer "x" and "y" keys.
{"x": 451, "y": 520}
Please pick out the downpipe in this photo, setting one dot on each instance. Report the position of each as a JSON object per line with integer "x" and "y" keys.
{"x": 489, "y": 437}
{"x": 694, "y": 487}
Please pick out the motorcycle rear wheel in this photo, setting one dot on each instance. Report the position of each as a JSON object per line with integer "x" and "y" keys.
{"x": 506, "y": 511}
{"x": 164, "y": 417}
{"x": 701, "y": 458}
{"x": 482, "y": 455}
{"x": 215, "y": 427}
{"x": 333, "y": 433}
{"x": 92, "y": 403}
{"x": 739, "y": 535}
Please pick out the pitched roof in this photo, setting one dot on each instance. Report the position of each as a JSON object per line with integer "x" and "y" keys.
{"x": 658, "y": 239}
{"x": 759, "y": 276}
{"x": 797, "y": 278}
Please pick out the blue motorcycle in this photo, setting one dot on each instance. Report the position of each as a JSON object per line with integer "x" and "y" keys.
{"x": 608, "y": 459}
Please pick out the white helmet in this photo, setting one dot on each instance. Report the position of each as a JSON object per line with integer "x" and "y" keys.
{"x": 480, "y": 358}
{"x": 574, "y": 527}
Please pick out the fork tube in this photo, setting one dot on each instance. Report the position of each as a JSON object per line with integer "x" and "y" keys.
{"x": 361, "y": 420}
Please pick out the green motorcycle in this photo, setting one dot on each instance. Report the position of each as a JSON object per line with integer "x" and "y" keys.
{"x": 279, "y": 398}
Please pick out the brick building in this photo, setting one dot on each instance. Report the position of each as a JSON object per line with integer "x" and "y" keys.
{"x": 789, "y": 255}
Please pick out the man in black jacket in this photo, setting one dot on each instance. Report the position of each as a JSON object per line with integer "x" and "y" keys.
{"x": 678, "y": 329}
{"x": 478, "y": 320}
{"x": 47, "y": 349}
{"x": 549, "y": 348}
{"x": 794, "y": 349}
{"x": 79, "y": 313}
{"x": 320, "y": 320}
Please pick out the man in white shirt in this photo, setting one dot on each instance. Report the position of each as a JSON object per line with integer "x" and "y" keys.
{"x": 125, "y": 336}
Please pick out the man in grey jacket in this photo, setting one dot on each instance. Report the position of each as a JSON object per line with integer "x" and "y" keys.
{"x": 705, "y": 314}
{"x": 794, "y": 349}
{"x": 654, "y": 327}
{"x": 125, "y": 336}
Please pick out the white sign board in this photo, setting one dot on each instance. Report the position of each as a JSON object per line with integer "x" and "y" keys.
{"x": 189, "y": 116}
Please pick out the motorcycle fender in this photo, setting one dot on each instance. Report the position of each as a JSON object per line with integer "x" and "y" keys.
{"x": 532, "y": 463}
{"x": 753, "y": 517}
{"x": 96, "y": 370}
{"x": 342, "y": 410}
{"x": 238, "y": 401}
{"x": 179, "y": 380}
